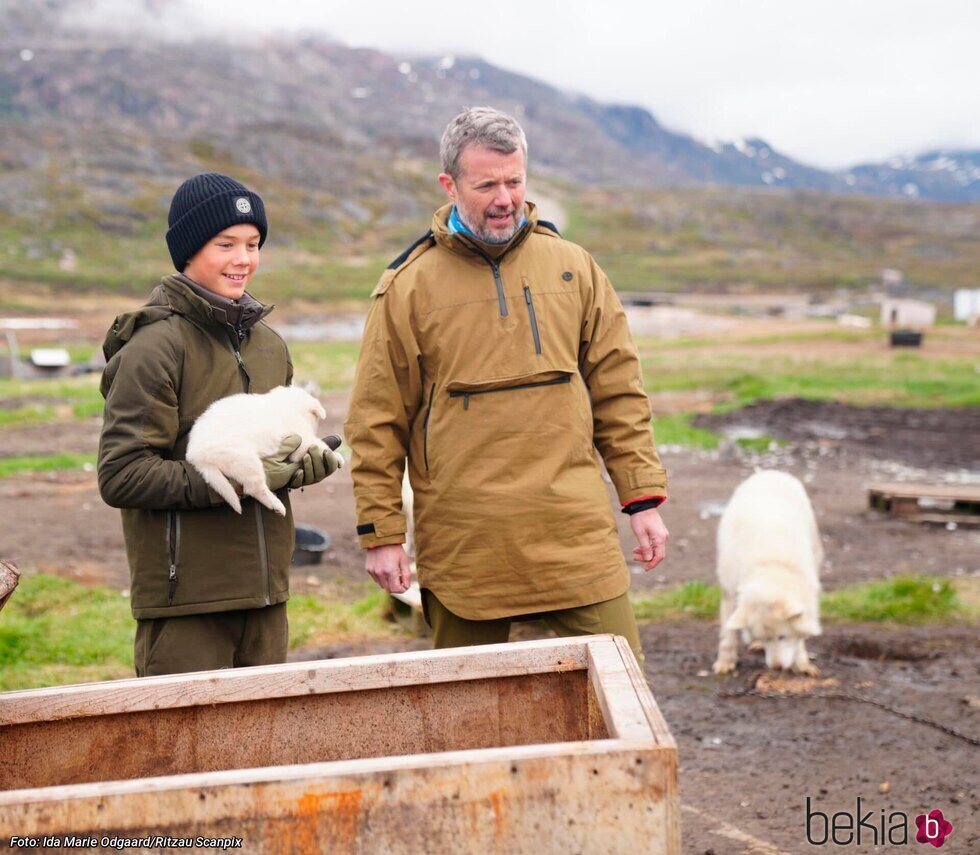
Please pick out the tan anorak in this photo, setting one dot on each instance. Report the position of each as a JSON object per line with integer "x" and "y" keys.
{"x": 498, "y": 372}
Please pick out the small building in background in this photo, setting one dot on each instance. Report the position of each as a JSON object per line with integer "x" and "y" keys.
{"x": 904, "y": 313}
{"x": 966, "y": 305}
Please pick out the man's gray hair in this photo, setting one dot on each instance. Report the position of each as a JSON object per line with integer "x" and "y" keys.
{"x": 482, "y": 126}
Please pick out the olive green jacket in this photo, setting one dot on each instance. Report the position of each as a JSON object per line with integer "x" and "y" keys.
{"x": 498, "y": 372}
{"x": 188, "y": 552}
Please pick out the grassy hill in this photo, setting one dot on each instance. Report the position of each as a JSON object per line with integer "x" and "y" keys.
{"x": 711, "y": 240}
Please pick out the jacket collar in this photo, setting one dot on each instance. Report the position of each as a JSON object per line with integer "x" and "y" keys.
{"x": 465, "y": 244}
{"x": 187, "y": 298}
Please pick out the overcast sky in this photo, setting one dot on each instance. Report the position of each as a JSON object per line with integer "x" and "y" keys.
{"x": 829, "y": 82}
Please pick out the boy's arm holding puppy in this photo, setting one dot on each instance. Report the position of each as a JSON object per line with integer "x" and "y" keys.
{"x": 141, "y": 426}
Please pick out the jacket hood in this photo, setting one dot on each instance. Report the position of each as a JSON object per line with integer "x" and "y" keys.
{"x": 174, "y": 296}
{"x": 468, "y": 245}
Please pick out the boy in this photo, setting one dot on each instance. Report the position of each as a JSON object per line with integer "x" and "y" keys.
{"x": 209, "y": 586}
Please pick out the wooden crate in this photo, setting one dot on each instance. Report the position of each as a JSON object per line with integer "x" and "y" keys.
{"x": 928, "y": 503}
{"x": 553, "y": 745}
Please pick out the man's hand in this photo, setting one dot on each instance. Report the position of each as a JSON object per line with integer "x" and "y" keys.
{"x": 651, "y": 535}
{"x": 389, "y": 567}
{"x": 279, "y": 469}
{"x": 316, "y": 465}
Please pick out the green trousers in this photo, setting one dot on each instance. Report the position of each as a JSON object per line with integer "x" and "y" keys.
{"x": 205, "y": 642}
{"x": 613, "y": 616}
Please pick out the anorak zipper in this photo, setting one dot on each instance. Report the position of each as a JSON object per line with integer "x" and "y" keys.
{"x": 534, "y": 319}
{"x": 499, "y": 282}
{"x": 425, "y": 428}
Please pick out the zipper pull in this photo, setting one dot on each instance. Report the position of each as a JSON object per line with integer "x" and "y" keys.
{"x": 527, "y": 295}
{"x": 466, "y": 401}
{"x": 172, "y": 584}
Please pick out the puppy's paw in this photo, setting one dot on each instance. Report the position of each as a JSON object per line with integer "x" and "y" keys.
{"x": 723, "y": 666}
{"x": 809, "y": 669}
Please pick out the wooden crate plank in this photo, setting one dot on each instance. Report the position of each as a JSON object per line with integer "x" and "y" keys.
{"x": 292, "y": 730}
{"x": 294, "y": 678}
{"x": 955, "y": 492}
{"x": 614, "y": 689}
{"x": 588, "y": 801}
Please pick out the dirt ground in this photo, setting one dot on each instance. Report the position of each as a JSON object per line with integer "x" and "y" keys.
{"x": 747, "y": 763}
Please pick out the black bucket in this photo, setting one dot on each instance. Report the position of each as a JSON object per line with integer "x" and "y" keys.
{"x": 905, "y": 338}
{"x": 311, "y": 543}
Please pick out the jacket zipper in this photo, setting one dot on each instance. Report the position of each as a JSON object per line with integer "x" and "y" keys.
{"x": 499, "y": 282}
{"x": 263, "y": 555}
{"x": 534, "y": 320}
{"x": 456, "y": 393}
{"x": 173, "y": 546}
{"x": 246, "y": 380}
{"x": 425, "y": 428}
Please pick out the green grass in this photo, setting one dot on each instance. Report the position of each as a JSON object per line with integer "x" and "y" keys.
{"x": 757, "y": 443}
{"x": 55, "y": 631}
{"x": 30, "y": 414}
{"x": 330, "y": 364}
{"x": 312, "y": 617}
{"x": 689, "y": 600}
{"x": 892, "y": 379}
{"x": 676, "y": 429}
{"x": 901, "y": 599}
{"x": 38, "y": 402}
{"x": 49, "y": 463}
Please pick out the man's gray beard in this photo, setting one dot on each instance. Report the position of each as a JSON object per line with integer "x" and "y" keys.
{"x": 495, "y": 239}
{"x": 488, "y": 237}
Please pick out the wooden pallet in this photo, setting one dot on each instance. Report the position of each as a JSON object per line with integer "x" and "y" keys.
{"x": 928, "y": 503}
{"x": 553, "y": 745}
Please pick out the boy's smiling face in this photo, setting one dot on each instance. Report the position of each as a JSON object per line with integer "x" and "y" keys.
{"x": 227, "y": 262}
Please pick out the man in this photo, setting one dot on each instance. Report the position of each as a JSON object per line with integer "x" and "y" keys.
{"x": 496, "y": 358}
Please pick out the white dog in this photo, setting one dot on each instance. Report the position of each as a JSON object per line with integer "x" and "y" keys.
{"x": 230, "y": 438}
{"x": 769, "y": 558}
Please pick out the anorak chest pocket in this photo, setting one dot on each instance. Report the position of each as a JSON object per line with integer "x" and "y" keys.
{"x": 476, "y": 428}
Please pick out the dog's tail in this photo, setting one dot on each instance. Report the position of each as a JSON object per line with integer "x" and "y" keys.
{"x": 217, "y": 481}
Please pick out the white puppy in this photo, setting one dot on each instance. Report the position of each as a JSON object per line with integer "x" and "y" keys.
{"x": 769, "y": 558}
{"x": 230, "y": 438}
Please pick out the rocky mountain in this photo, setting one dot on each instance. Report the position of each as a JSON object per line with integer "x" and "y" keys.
{"x": 79, "y": 106}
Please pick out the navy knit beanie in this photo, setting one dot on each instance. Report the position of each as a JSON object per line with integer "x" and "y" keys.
{"x": 203, "y": 206}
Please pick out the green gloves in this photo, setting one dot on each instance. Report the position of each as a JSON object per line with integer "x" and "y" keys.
{"x": 312, "y": 468}
{"x": 315, "y": 466}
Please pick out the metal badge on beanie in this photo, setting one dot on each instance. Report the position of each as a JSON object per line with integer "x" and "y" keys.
{"x": 243, "y": 205}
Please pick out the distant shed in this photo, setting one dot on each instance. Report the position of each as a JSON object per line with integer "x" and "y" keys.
{"x": 907, "y": 314}
{"x": 966, "y": 305}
